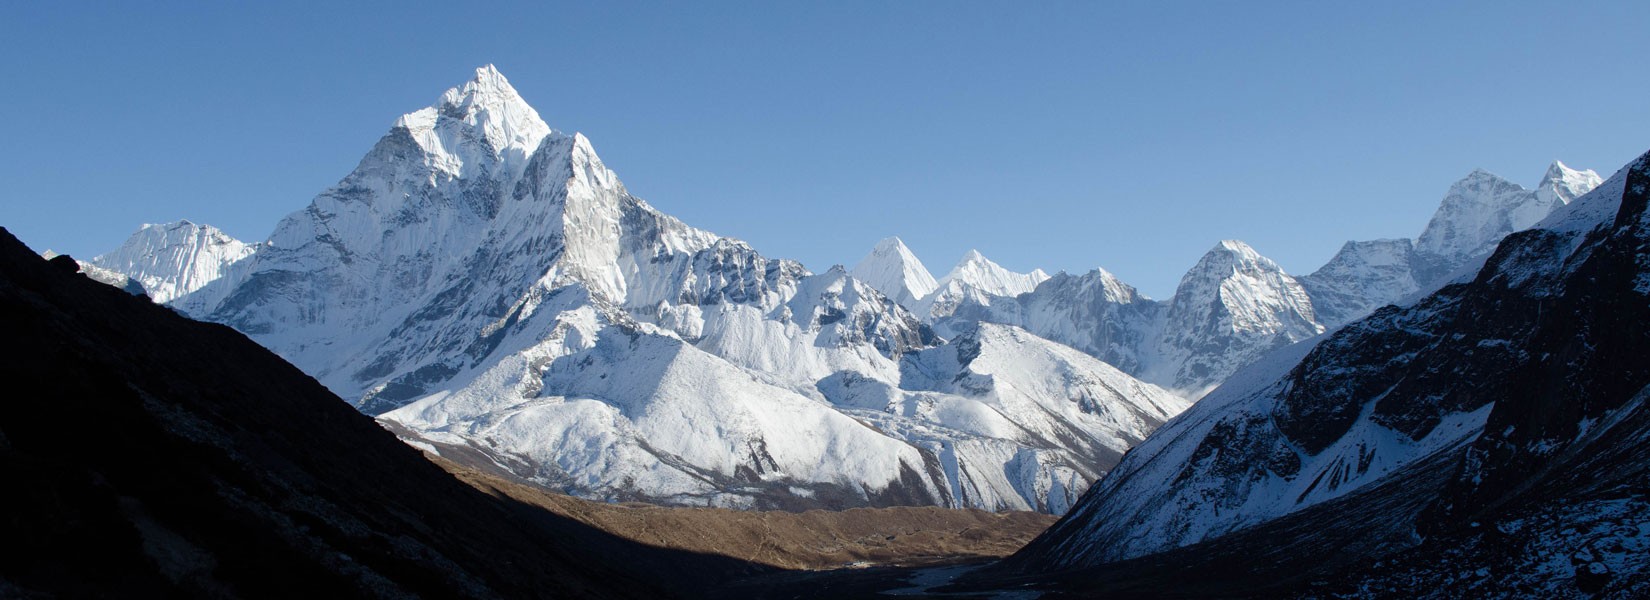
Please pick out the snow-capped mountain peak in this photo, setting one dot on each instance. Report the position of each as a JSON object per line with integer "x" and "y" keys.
{"x": 1114, "y": 287}
{"x": 483, "y": 116}
{"x": 175, "y": 259}
{"x": 989, "y": 277}
{"x": 1482, "y": 208}
{"x": 972, "y": 287}
{"x": 1562, "y": 184}
{"x": 1233, "y": 254}
{"x": 1226, "y": 265}
{"x": 895, "y": 271}
{"x": 1361, "y": 277}
{"x": 1475, "y": 215}
{"x": 1237, "y": 300}
{"x": 1475, "y": 210}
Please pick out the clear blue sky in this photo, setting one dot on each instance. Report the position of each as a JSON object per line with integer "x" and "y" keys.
{"x": 1061, "y": 135}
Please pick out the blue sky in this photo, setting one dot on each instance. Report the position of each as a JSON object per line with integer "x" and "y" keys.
{"x": 1060, "y": 135}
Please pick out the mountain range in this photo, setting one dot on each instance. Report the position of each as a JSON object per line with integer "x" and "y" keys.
{"x": 1454, "y": 415}
{"x": 486, "y": 287}
{"x": 1234, "y": 305}
{"x": 1486, "y": 440}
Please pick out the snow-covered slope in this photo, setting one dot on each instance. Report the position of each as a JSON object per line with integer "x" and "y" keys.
{"x": 1011, "y": 415}
{"x": 490, "y": 289}
{"x": 622, "y": 415}
{"x": 172, "y": 260}
{"x": 1362, "y": 277}
{"x": 1094, "y": 312}
{"x": 892, "y": 269}
{"x": 1504, "y": 375}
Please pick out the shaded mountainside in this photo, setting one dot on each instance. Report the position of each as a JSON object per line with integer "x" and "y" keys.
{"x": 147, "y": 455}
{"x": 1494, "y": 431}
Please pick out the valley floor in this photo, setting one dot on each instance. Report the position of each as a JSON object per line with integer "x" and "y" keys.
{"x": 852, "y": 540}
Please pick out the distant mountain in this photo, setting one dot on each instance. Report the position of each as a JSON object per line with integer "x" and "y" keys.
{"x": 1488, "y": 439}
{"x": 1094, "y": 312}
{"x": 175, "y": 259}
{"x": 487, "y": 285}
{"x": 1362, "y": 277}
{"x": 104, "y": 276}
{"x": 1232, "y": 307}
{"x": 1474, "y": 216}
{"x": 1482, "y": 208}
{"x": 892, "y": 269}
{"x": 149, "y": 456}
{"x": 967, "y": 292}
{"x": 979, "y": 273}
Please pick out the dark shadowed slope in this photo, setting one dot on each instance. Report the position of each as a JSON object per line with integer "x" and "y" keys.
{"x": 147, "y": 455}
{"x": 1488, "y": 441}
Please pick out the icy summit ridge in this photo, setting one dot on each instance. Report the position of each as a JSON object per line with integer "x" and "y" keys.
{"x": 969, "y": 290}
